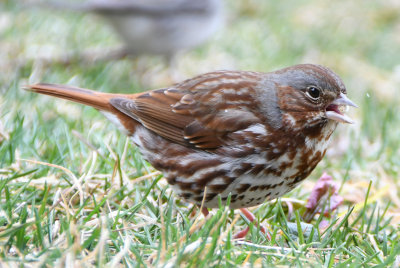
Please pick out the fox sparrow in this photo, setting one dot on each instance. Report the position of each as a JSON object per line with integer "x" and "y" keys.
{"x": 253, "y": 135}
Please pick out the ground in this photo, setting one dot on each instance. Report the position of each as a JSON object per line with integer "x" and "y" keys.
{"x": 74, "y": 191}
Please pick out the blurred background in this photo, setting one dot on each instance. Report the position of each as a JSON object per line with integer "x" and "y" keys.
{"x": 359, "y": 40}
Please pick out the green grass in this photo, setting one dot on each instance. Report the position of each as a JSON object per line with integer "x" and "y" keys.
{"x": 74, "y": 191}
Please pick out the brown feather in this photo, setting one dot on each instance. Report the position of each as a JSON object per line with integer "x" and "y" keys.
{"x": 98, "y": 100}
{"x": 80, "y": 95}
{"x": 187, "y": 113}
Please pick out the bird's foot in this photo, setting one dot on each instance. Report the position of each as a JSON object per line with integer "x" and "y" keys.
{"x": 250, "y": 216}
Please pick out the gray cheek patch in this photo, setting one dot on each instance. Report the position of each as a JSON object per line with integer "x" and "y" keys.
{"x": 269, "y": 105}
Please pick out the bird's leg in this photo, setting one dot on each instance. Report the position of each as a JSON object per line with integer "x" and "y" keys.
{"x": 205, "y": 211}
{"x": 250, "y": 216}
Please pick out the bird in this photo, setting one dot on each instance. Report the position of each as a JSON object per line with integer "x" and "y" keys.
{"x": 240, "y": 135}
{"x": 162, "y": 27}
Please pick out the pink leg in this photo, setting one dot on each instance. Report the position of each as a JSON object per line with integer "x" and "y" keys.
{"x": 242, "y": 233}
{"x": 250, "y": 216}
{"x": 205, "y": 211}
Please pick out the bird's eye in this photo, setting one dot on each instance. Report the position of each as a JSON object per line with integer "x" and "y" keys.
{"x": 313, "y": 92}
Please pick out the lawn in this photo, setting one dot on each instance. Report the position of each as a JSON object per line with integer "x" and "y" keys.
{"x": 76, "y": 192}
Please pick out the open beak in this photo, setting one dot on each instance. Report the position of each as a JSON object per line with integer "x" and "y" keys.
{"x": 335, "y": 110}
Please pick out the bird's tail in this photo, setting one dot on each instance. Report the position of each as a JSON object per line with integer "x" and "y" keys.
{"x": 88, "y": 97}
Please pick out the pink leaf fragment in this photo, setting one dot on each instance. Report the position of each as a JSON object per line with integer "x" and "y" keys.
{"x": 323, "y": 225}
{"x": 323, "y": 196}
